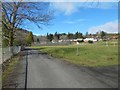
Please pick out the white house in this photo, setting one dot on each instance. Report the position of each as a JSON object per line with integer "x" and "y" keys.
{"x": 90, "y": 39}
{"x": 79, "y": 39}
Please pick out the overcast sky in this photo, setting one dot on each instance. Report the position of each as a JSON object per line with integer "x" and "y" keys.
{"x": 82, "y": 17}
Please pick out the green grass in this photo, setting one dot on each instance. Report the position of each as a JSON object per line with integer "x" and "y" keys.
{"x": 89, "y": 55}
{"x": 10, "y": 67}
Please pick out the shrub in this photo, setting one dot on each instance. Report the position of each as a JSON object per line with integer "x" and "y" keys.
{"x": 90, "y": 41}
{"x": 80, "y": 41}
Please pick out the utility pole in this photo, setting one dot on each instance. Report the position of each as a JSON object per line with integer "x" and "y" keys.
{"x": 77, "y": 49}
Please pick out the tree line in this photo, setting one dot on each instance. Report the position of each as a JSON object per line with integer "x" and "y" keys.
{"x": 58, "y": 36}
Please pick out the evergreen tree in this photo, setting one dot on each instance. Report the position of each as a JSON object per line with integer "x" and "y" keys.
{"x": 103, "y": 34}
{"x": 56, "y": 36}
{"x": 70, "y": 36}
{"x": 86, "y": 34}
{"x": 48, "y": 36}
{"x": 38, "y": 40}
{"x": 29, "y": 39}
{"x": 51, "y": 37}
{"x": 78, "y": 35}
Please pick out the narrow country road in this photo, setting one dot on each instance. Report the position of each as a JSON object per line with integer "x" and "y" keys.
{"x": 45, "y": 71}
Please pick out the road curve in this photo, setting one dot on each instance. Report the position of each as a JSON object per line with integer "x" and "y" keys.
{"x": 45, "y": 71}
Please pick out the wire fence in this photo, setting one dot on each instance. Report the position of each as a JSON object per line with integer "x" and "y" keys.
{"x": 101, "y": 43}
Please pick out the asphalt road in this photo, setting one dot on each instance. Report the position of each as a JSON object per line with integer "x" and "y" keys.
{"x": 45, "y": 71}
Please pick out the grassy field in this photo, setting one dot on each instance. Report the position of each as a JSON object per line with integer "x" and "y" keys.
{"x": 88, "y": 55}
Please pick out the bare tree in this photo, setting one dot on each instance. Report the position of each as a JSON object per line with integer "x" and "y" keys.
{"x": 15, "y": 14}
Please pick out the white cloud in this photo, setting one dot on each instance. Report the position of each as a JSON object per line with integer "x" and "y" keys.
{"x": 66, "y": 7}
{"x": 109, "y": 27}
{"x": 71, "y": 7}
{"x": 102, "y": 5}
{"x": 74, "y": 21}
{"x": 69, "y": 22}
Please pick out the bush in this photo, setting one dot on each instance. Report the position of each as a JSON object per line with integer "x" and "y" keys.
{"x": 80, "y": 41}
{"x": 90, "y": 41}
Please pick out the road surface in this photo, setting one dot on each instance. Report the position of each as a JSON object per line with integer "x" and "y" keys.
{"x": 44, "y": 71}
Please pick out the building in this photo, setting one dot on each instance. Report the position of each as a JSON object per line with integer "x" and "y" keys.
{"x": 90, "y": 39}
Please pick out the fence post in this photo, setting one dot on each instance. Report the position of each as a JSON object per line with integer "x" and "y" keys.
{"x": 77, "y": 51}
{"x": 106, "y": 43}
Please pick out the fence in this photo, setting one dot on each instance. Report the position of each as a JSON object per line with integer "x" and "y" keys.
{"x": 0, "y": 55}
{"x": 7, "y": 52}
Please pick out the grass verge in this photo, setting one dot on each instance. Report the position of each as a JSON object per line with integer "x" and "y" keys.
{"x": 9, "y": 67}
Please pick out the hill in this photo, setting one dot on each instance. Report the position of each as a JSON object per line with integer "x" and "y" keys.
{"x": 19, "y": 36}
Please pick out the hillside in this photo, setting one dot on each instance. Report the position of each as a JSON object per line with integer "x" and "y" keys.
{"x": 19, "y": 36}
